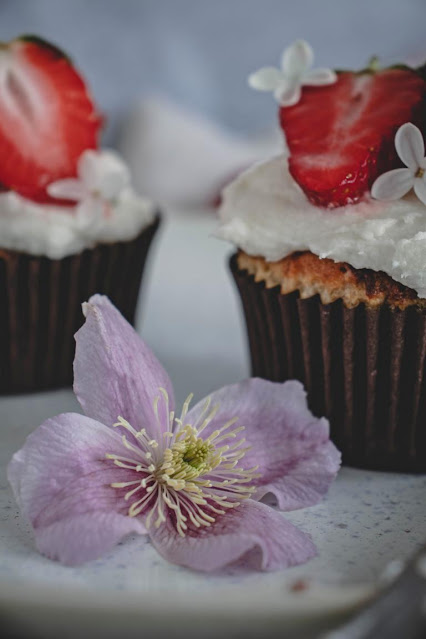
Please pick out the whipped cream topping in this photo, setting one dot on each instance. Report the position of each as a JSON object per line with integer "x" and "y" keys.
{"x": 265, "y": 212}
{"x": 57, "y": 231}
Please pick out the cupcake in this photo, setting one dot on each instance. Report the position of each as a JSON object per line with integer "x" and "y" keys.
{"x": 70, "y": 223}
{"x": 331, "y": 259}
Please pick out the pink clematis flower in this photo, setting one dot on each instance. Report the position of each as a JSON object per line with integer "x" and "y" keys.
{"x": 192, "y": 482}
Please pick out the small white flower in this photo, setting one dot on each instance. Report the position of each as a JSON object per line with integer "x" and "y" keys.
{"x": 102, "y": 176}
{"x": 393, "y": 185}
{"x": 295, "y": 72}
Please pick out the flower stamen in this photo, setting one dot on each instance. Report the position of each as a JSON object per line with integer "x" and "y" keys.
{"x": 191, "y": 477}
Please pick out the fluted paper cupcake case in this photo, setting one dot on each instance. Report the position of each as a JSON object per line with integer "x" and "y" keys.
{"x": 41, "y": 306}
{"x": 363, "y": 368}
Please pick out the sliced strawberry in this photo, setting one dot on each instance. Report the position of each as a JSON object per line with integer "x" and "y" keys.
{"x": 47, "y": 118}
{"x": 341, "y": 136}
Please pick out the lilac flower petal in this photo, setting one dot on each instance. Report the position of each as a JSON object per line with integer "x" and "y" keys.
{"x": 67, "y": 189}
{"x": 319, "y": 77}
{"x": 297, "y": 58}
{"x": 295, "y": 458}
{"x": 409, "y": 145}
{"x": 62, "y": 480}
{"x": 85, "y": 537}
{"x": 250, "y": 526}
{"x": 420, "y": 189}
{"x": 393, "y": 185}
{"x": 266, "y": 79}
{"x": 115, "y": 373}
{"x": 62, "y": 468}
{"x": 307, "y": 481}
{"x": 288, "y": 94}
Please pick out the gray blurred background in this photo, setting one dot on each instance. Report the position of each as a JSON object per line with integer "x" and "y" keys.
{"x": 199, "y": 52}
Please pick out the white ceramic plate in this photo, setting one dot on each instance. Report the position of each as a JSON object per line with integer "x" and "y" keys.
{"x": 191, "y": 318}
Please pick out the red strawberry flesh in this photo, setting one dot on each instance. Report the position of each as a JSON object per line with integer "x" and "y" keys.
{"x": 341, "y": 136}
{"x": 47, "y": 118}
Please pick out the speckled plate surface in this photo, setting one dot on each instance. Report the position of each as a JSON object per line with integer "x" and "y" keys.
{"x": 368, "y": 519}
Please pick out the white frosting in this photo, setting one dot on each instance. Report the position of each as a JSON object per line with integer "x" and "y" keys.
{"x": 265, "y": 212}
{"x": 57, "y": 231}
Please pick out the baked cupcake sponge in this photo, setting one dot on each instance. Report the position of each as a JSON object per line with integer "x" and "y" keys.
{"x": 355, "y": 338}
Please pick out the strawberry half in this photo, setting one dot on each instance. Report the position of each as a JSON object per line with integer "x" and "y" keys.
{"x": 341, "y": 136}
{"x": 47, "y": 118}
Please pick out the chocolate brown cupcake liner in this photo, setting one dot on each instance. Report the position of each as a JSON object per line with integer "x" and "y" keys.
{"x": 41, "y": 306}
{"x": 363, "y": 368}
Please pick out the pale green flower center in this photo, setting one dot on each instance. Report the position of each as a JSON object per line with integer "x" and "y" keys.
{"x": 189, "y": 457}
{"x": 195, "y": 478}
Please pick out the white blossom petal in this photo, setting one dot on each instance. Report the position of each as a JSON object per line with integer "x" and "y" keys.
{"x": 297, "y": 58}
{"x": 319, "y": 77}
{"x": 420, "y": 188}
{"x": 288, "y": 94}
{"x": 115, "y": 175}
{"x": 103, "y": 173}
{"x": 89, "y": 169}
{"x": 393, "y": 185}
{"x": 266, "y": 79}
{"x": 409, "y": 145}
{"x": 67, "y": 189}
{"x": 286, "y": 84}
